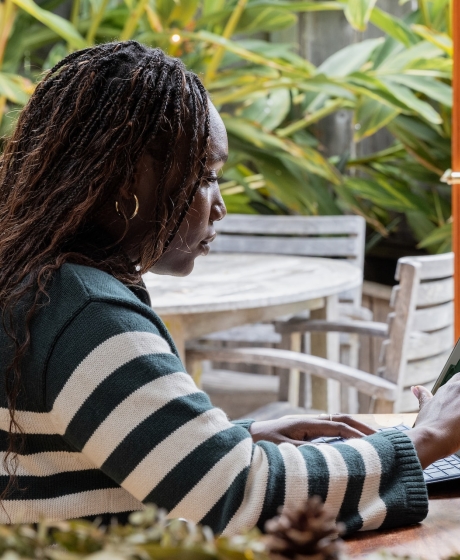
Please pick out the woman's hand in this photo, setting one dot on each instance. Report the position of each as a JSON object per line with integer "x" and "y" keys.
{"x": 436, "y": 434}
{"x": 299, "y": 429}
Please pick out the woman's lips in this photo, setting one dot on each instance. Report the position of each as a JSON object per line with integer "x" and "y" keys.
{"x": 205, "y": 247}
{"x": 205, "y": 244}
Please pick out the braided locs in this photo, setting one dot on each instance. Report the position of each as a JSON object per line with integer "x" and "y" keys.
{"x": 76, "y": 144}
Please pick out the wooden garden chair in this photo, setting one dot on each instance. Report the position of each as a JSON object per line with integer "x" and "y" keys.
{"x": 341, "y": 237}
{"x": 338, "y": 237}
{"x": 418, "y": 339}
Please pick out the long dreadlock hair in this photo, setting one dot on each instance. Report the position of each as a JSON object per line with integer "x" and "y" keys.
{"x": 76, "y": 144}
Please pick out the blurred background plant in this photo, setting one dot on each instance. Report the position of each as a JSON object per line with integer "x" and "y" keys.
{"x": 273, "y": 100}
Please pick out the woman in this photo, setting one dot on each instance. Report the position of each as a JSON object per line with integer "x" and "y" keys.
{"x": 112, "y": 171}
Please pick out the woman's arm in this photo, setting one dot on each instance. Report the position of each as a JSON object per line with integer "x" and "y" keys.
{"x": 119, "y": 395}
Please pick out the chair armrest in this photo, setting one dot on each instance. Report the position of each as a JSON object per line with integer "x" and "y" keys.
{"x": 287, "y": 359}
{"x": 368, "y": 328}
{"x": 354, "y": 312}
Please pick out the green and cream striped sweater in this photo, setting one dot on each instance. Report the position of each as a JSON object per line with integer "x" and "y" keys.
{"x": 112, "y": 421}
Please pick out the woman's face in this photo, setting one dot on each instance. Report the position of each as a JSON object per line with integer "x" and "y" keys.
{"x": 197, "y": 230}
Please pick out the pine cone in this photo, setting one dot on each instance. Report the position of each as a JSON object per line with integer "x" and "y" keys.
{"x": 308, "y": 533}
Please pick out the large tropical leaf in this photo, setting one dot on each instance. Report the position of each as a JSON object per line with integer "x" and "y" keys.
{"x": 269, "y": 110}
{"x": 358, "y": 12}
{"x": 349, "y": 59}
{"x": 59, "y": 25}
{"x": 441, "y": 40}
{"x": 440, "y": 239}
{"x": 254, "y": 140}
{"x": 393, "y": 27}
{"x": 432, "y": 88}
{"x": 371, "y": 116}
{"x": 274, "y": 98}
{"x": 15, "y": 88}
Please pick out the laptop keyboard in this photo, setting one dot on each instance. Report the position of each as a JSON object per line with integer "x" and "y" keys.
{"x": 443, "y": 469}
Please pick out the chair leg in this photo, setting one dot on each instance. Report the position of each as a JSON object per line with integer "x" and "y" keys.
{"x": 290, "y": 388}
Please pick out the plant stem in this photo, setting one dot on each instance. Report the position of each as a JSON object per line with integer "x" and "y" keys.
{"x": 74, "y": 17}
{"x": 437, "y": 205}
{"x": 91, "y": 35}
{"x": 2, "y": 107}
{"x": 153, "y": 19}
{"x": 6, "y": 22}
{"x": 75, "y": 12}
{"x": 311, "y": 118}
{"x": 423, "y": 7}
{"x": 133, "y": 20}
{"x": 228, "y": 32}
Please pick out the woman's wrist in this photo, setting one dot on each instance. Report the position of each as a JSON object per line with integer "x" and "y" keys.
{"x": 424, "y": 442}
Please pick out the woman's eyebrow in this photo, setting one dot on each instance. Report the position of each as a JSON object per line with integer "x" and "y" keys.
{"x": 217, "y": 157}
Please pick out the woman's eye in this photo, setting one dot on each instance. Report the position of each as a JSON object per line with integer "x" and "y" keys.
{"x": 210, "y": 178}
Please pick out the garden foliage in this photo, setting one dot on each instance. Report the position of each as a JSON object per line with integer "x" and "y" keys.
{"x": 271, "y": 99}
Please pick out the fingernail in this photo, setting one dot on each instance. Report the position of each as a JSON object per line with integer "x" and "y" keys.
{"x": 415, "y": 391}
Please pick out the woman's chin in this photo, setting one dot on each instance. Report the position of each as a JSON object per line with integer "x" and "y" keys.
{"x": 182, "y": 267}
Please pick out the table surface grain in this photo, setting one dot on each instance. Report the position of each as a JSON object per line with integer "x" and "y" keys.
{"x": 226, "y": 281}
{"x": 436, "y": 538}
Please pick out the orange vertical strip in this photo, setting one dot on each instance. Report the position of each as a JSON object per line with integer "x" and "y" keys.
{"x": 456, "y": 160}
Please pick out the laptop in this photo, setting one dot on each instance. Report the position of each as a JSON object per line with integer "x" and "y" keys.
{"x": 444, "y": 469}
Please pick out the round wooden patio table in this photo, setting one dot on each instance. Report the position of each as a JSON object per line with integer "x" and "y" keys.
{"x": 232, "y": 289}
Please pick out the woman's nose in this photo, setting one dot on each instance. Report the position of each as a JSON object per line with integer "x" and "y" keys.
{"x": 218, "y": 209}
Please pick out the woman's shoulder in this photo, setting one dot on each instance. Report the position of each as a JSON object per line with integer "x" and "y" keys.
{"x": 77, "y": 288}
{"x": 85, "y": 283}
{"x": 94, "y": 303}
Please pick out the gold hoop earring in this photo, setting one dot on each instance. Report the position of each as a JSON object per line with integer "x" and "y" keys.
{"x": 136, "y": 209}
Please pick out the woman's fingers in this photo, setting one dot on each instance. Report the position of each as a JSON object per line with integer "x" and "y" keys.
{"x": 361, "y": 426}
{"x": 422, "y": 394}
{"x": 346, "y": 419}
{"x": 326, "y": 428}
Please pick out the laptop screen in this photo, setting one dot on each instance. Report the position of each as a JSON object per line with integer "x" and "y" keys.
{"x": 451, "y": 367}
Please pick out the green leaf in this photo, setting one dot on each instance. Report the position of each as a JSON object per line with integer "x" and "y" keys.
{"x": 405, "y": 58}
{"x": 212, "y": 6}
{"x": 383, "y": 194}
{"x": 310, "y": 118}
{"x": 57, "y": 53}
{"x": 236, "y": 48}
{"x": 256, "y": 141}
{"x": 238, "y": 203}
{"x": 164, "y": 9}
{"x": 270, "y": 110}
{"x": 349, "y": 59}
{"x": 393, "y": 26}
{"x": 219, "y": 15}
{"x": 265, "y": 19}
{"x": 183, "y": 12}
{"x": 412, "y": 102}
{"x": 371, "y": 116}
{"x": 358, "y": 13}
{"x": 441, "y": 237}
{"x": 15, "y": 88}
{"x": 58, "y": 24}
{"x": 420, "y": 224}
{"x": 434, "y": 89}
{"x": 441, "y": 40}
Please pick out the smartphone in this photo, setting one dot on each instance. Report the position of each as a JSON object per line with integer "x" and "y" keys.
{"x": 450, "y": 369}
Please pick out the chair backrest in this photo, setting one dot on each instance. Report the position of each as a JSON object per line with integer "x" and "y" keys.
{"x": 421, "y": 333}
{"x": 314, "y": 236}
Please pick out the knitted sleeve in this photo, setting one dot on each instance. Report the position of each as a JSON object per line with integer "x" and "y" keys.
{"x": 120, "y": 396}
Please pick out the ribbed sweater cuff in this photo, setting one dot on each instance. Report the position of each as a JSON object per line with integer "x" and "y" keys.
{"x": 244, "y": 423}
{"x": 409, "y": 471}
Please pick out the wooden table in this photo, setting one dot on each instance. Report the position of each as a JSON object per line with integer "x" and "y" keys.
{"x": 436, "y": 538}
{"x": 232, "y": 289}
